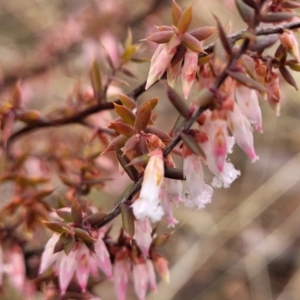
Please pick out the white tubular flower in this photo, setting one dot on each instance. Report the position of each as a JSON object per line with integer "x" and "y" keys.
{"x": 148, "y": 203}
{"x": 199, "y": 193}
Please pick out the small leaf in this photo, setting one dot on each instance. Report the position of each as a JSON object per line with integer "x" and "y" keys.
{"x": 67, "y": 181}
{"x": 76, "y": 212}
{"x": 191, "y": 42}
{"x": 83, "y": 235}
{"x": 181, "y": 49}
{"x": 276, "y": 17}
{"x": 246, "y": 12}
{"x": 176, "y": 13}
{"x": 177, "y": 101}
{"x": 161, "y": 37}
{"x": 223, "y": 38}
{"x": 203, "y": 33}
{"x": 64, "y": 214}
{"x": 128, "y": 53}
{"x": 143, "y": 116}
{"x": 126, "y": 114}
{"x": 59, "y": 246}
{"x": 128, "y": 73}
{"x": 96, "y": 80}
{"x": 58, "y": 227}
{"x": 152, "y": 101}
{"x": 247, "y": 81}
{"x": 161, "y": 134}
{"x": 116, "y": 144}
{"x": 69, "y": 245}
{"x": 123, "y": 128}
{"x": 263, "y": 42}
{"x": 127, "y": 101}
{"x": 294, "y": 66}
{"x": 17, "y": 95}
{"x": 96, "y": 218}
{"x": 288, "y": 76}
{"x": 128, "y": 41}
{"x": 204, "y": 98}
{"x": 192, "y": 144}
{"x": 185, "y": 20}
{"x": 127, "y": 218}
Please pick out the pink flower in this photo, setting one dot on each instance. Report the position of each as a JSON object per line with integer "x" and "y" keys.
{"x": 140, "y": 279}
{"x": 289, "y": 41}
{"x": 161, "y": 59}
{"x": 242, "y": 132}
{"x": 247, "y": 101}
{"x": 272, "y": 85}
{"x": 148, "y": 204}
{"x": 199, "y": 193}
{"x": 121, "y": 277}
{"x": 173, "y": 73}
{"x": 142, "y": 235}
{"x": 80, "y": 262}
{"x": 188, "y": 72}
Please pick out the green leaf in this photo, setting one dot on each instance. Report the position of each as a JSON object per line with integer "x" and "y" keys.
{"x": 223, "y": 38}
{"x": 246, "y": 12}
{"x": 96, "y": 218}
{"x": 69, "y": 245}
{"x": 202, "y": 33}
{"x": 192, "y": 144}
{"x": 191, "y": 42}
{"x": 276, "y": 17}
{"x": 288, "y": 76}
{"x": 56, "y": 226}
{"x": 127, "y": 218}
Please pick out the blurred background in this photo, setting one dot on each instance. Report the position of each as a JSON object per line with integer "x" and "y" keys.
{"x": 245, "y": 244}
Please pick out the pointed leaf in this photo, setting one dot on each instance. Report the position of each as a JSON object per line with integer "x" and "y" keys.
{"x": 128, "y": 53}
{"x": 263, "y": 42}
{"x": 76, "y": 212}
{"x": 223, "y": 38}
{"x": 160, "y": 37}
{"x": 126, "y": 114}
{"x": 59, "y": 246}
{"x": 176, "y": 13}
{"x": 127, "y": 101}
{"x": 192, "y": 144}
{"x": 177, "y": 101}
{"x": 143, "y": 116}
{"x": 96, "y": 80}
{"x": 181, "y": 49}
{"x": 64, "y": 214}
{"x": 247, "y": 81}
{"x": 203, "y": 33}
{"x": 161, "y": 134}
{"x": 204, "y": 98}
{"x": 288, "y": 76}
{"x": 123, "y": 128}
{"x": 277, "y": 17}
{"x": 58, "y": 227}
{"x": 185, "y": 20}
{"x": 96, "y": 218}
{"x": 116, "y": 144}
{"x": 246, "y": 12}
{"x": 127, "y": 218}
{"x": 30, "y": 117}
{"x": 83, "y": 235}
{"x": 191, "y": 42}
{"x": 294, "y": 66}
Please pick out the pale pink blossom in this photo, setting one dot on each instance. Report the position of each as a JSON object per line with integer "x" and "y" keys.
{"x": 273, "y": 96}
{"x": 140, "y": 279}
{"x": 242, "y": 132}
{"x": 121, "y": 277}
{"x": 161, "y": 59}
{"x": 167, "y": 205}
{"x": 188, "y": 72}
{"x": 173, "y": 73}
{"x": 142, "y": 235}
{"x": 148, "y": 204}
{"x": 289, "y": 41}
{"x": 247, "y": 101}
{"x": 199, "y": 193}
{"x": 151, "y": 275}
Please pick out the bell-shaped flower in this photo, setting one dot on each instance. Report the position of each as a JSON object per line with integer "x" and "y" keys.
{"x": 199, "y": 193}
{"x": 140, "y": 279}
{"x": 161, "y": 60}
{"x": 142, "y": 235}
{"x": 148, "y": 204}
{"x": 242, "y": 132}
{"x": 122, "y": 272}
{"x": 247, "y": 101}
{"x": 173, "y": 73}
{"x": 188, "y": 72}
{"x": 167, "y": 206}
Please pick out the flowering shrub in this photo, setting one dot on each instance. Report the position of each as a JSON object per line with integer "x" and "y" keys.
{"x": 232, "y": 75}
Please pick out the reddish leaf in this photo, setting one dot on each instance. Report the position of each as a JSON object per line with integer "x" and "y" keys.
{"x": 185, "y": 20}
{"x": 288, "y": 76}
{"x": 126, "y": 114}
{"x": 143, "y": 116}
{"x": 176, "y": 13}
{"x": 123, "y": 128}
{"x": 203, "y": 33}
